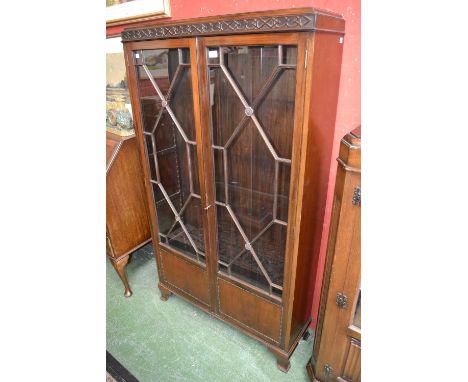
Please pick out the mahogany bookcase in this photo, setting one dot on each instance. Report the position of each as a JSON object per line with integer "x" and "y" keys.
{"x": 230, "y": 113}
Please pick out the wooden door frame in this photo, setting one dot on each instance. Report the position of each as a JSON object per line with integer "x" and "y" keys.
{"x": 202, "y": 121}
{"x": 291, "y": 38}
{"x": 189, "y": 43}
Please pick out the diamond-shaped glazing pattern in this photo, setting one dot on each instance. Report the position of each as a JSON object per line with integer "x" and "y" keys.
{"x": 252, "y": 186}
{"x": 165, "y": 89}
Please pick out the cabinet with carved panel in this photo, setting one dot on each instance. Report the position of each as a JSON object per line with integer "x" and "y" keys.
{"x": 235, "y": 118}
{"x": 337, "y": 344}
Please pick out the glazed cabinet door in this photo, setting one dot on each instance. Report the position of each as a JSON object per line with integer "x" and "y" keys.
{"x": 252, "y": 83}
{"x": 162, "y": 75}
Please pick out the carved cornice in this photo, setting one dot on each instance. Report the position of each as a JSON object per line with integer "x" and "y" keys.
{"x": 299, "y": 22}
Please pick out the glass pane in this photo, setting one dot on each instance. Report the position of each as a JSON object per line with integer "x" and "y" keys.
{"x": 250, "y": 192}
{"x": 252, "y": 90}
{"x": 230, "y": 242}
{"x": 165, "y": 92}
{"x": 226, "y": 108}
{"x": 357, "y": 312}
{"x": 250, "y": 66}
{"x": 278, "y": 105}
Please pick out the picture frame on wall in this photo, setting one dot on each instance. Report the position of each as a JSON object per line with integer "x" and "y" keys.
{"x": 119, "y": 118}
{"x": 120, "y": 12}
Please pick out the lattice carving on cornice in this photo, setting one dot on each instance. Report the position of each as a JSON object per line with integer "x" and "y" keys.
{"x": 247, "y": 25}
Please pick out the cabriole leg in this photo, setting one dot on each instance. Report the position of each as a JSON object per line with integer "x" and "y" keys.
{"x": 119, "y": 266}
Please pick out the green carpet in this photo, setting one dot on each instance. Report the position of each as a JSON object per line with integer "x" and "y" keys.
{"x": 174, "y": 341}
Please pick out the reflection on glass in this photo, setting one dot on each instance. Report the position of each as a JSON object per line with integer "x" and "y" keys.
{"x": 165, "y": 91}
{"x": 357, "y": 312}
{"x": 252, "y": 91}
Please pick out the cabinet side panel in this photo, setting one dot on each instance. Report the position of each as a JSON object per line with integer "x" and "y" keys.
{"x": 328, "y": 267}
{"x": 127, "y": 216}
{"x": 324, "y": 67}
{"x": 344, "y": 279}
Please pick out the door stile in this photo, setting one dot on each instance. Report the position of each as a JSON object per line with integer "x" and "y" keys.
{"x": 290, "y": 260}
{"x": 200, "y": 88}
{"x": 139, "y": 136}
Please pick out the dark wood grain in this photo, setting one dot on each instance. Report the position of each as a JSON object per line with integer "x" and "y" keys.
{"x": 254, "y": 312}
{"x": 250, "y": 165}
{"x": 297, "y": 163}
{"x": 297, "y": 115}
{"x": 199, "y": 83}
{"x": 337, "y": 340}
{"x": 127, "y": 226}
{"x": 126, "y": 212}
{"x": 321, "y": 91}
{"x": 300, "y": 19}
{"x": 175, "y": 271}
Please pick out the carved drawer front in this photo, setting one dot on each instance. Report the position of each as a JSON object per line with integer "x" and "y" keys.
{"x": 249, "y": 310}
{"x": 185, "y": 276}
{"x": 352, "y": 366}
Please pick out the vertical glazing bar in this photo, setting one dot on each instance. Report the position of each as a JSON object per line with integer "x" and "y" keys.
{"x": 189, "y": 162}
{"x": 229, "y": 270}
{"x": 280, "y": 54}
{"x": 155, "y": 158}
{"x": 261, "y": 56}
{"x": 226, "y": 178}
{"x": 221, "y": 56}
{"x": 179, "y": 51}
{"x": 158, "y": 118}
{"x": 275, "y": 190}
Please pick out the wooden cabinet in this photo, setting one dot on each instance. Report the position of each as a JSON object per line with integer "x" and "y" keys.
{"x": 337, "y": 345}
{"x": 127, "y": 224}
{"x": 235, "y": 118}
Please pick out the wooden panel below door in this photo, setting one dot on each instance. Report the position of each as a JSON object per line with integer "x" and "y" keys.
{"x": 249, "y": 310}
{"x": 185, "y": 276}
{"x": 352, "y": 367}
